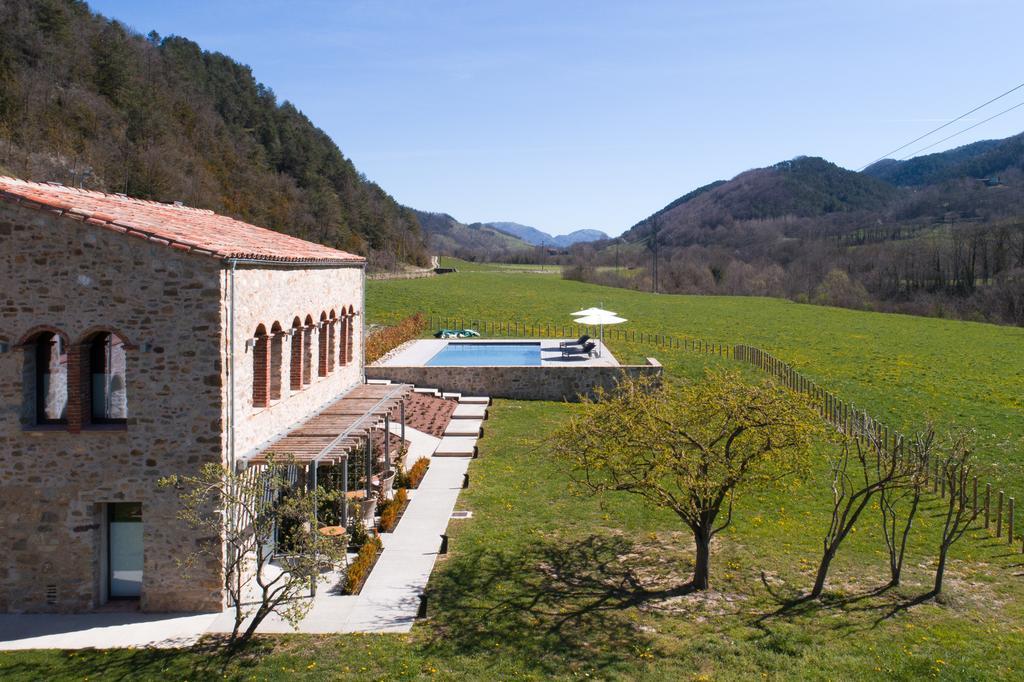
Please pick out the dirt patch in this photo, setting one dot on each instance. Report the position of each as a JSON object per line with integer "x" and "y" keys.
{"x": 429, "y": 414}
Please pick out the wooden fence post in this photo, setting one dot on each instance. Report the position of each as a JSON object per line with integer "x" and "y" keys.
{"x": 974, "y": 507}
{"x": 988, "y": 505}
{"x": 999, "y": 516}
{"x": 1010, "y": 523}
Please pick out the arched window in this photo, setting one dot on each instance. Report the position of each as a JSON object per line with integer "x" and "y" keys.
{"x": 276, "y": 360}
{"x": 332, "y": 334}
{"x": 50, "y": 357}
{"x": 295, "y": 374}
{"x": 108, "y": 389}
{"x": 261, "y": 368}
{"x": 351, "y": 332}
{"x": 343, "y": 354}
{"x": 307, "y": 351}
{"x": 324, "y": 334}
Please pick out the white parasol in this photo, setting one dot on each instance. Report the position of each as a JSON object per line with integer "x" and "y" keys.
{"x": 600, "y": 319}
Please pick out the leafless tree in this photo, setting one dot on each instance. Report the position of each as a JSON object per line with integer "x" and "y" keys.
{"x": 899, "y": 501}
{"x": 862, "y": 468}
{"x": 956, "y": 471}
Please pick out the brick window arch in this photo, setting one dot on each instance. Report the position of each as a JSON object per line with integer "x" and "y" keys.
{"x": 106, "y": 374}
{"x": 322, "y": 346}
{"x": 295, "y": 373}
{"x": 276, "y": 360}
{"x": 307, "y": 351}
{"x": 261, "y": 368}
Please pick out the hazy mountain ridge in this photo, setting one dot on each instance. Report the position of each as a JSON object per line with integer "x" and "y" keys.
{"x": 532, "y": 235}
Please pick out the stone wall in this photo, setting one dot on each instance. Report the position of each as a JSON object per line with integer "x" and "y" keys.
{"x": 516, "y": 383}
{"x": 268, "y": 295}
{"x": 54, "y": 484}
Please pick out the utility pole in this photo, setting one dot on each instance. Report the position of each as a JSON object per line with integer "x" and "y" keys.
{"x": 654, "y": 255}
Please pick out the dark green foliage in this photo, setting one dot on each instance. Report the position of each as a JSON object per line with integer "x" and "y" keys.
{"x": 981, "y": 159}
{"x": 86, "y": 102}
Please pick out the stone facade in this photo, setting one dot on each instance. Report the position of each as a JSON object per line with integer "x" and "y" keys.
{"x": 173, "y": 311}
{"x": 516, "y": 383}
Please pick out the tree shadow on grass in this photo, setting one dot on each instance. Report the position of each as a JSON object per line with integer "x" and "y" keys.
{"x": 208, "y": 659}
{"x": 557, "y": 606}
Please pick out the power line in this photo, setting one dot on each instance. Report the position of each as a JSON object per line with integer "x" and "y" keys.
{"x": 1021, "y": 104}
{"x": 944, "y": 125}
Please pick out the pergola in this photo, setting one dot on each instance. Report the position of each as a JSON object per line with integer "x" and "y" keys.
{"x": 342, "y": 429}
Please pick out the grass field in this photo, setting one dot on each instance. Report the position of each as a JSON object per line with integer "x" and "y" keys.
{"x": 904, "y": 370}
{"x": 543, "y": 583}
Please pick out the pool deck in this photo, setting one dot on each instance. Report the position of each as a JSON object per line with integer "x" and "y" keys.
{"x": 418, "y": 353}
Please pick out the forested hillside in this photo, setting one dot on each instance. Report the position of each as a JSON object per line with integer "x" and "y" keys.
{"x": 936, "y": 235}
{"x": 85, "y": 102}
{"x": 473, "y": 241}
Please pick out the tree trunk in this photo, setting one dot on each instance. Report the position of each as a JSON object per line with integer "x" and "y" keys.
{"x": 819, "y": 580}
{"x": 702, "y": 569}
{"x": 940, "y": 571}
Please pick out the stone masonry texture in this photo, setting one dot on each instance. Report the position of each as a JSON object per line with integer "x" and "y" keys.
{"x": 172, "y": 310}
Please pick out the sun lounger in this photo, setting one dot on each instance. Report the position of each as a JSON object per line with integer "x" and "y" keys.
{"x": 455, "y": 333}
{"x": 587, "y": 349}
{"x": 578, "y": 342}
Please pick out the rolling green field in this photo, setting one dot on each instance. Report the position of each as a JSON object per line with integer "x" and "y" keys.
{"x": 903, "y": 370}
{"x": 543, "y": 583}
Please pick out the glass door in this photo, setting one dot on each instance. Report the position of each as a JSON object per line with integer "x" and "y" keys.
{"x": 124, "y": 533}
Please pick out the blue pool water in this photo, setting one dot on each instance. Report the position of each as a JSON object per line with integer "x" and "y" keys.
{"x": 457, "y": 354}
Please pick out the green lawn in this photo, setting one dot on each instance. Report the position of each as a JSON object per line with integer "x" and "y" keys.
{"x": 904, "y": 370}
{"x": 543, "y": 583}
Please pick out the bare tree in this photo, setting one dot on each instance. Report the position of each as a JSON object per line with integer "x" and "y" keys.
{"x": 956, "y": 471}
{"x": 862, "y": 468}
{"x": 899, "y": 501}
{"x": 272, "y": 552}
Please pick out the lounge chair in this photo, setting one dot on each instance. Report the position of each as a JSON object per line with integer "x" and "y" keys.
{"x": 578, "y": 342}
{"x": 586, "y": 349}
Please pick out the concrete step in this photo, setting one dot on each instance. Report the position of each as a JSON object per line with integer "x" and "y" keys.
{"x": 470, "y": 412}
{"x": 379, "y": 382}
{"x": 456, "y": 446}
{"x": 465, "y": 427}
{"x": 428, "y": 391}
{"x": 451, "y": 396}
{"x": 474, "y": 400}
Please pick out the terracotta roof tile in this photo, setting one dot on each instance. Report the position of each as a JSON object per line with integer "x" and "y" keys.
{"x": 181, "y": 227}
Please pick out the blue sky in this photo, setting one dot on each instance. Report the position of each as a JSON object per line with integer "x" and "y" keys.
{"x": 564, "y": 115}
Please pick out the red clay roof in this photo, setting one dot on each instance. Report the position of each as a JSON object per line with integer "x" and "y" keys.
{"x": 193, "y": 230}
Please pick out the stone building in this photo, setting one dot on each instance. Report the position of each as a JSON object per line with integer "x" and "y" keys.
{"x": 139, "y": 340}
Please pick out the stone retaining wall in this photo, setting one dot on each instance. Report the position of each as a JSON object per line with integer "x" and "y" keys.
{"x": 516, "y": 383}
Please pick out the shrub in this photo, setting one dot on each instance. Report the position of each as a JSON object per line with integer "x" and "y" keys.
{"x": 381, "y": 341}
{"x": 417, "y": 472}
{"x": 392, "y": 510}
{"x": 360, "y": 567}
{"x": 360, "y": 536}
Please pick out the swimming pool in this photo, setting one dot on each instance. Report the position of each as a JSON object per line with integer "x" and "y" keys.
{"x": 457, "y": 354}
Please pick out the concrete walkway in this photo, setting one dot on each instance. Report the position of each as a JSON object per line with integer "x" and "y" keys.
{"x": 102, "y": 630}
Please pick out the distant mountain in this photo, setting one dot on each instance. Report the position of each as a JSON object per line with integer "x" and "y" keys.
{"x": 982, "y": 159}
{"x": 532, "y": 235}
{"x": 803, "y": 187}
{"x": 474, "y": 241}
